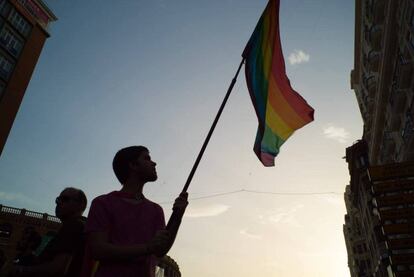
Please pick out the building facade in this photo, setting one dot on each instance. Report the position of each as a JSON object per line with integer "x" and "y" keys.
{"x": 358, "y": 216}
{"x": 382, "y": 77}
{"x": 379, "y": 224}
{"x": 23, "y": 32}
{"x": 14, "y": 222}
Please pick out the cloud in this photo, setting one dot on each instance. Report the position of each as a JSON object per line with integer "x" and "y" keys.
{"x": 249, "y": 235}
{"x": 298, "y": 57}
{"x": 282, "y": 216}
{"x": 17, "y": 197}
{"x": 206, "y": 211}
{"x": 336, "y": 133}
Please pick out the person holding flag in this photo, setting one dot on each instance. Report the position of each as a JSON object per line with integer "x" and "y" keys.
{"x": 126, "y": 232}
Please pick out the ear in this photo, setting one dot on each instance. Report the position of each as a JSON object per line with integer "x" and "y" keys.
{"x": 132, "y": 165}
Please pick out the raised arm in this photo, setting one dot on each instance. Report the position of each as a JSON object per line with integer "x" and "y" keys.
{"x": 174, "y": 222}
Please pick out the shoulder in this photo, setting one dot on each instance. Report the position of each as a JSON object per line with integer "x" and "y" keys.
{"x": 152, "y": 203}
{"x": 102, "y": 199}
{"x": 154, "y": 206}
{"x": 105, "y": 197}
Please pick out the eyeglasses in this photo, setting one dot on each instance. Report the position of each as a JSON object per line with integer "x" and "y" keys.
{"x": 64, "y": 199}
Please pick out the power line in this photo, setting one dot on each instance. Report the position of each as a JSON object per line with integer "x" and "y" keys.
{"x": 207, "y": 196}
{"x": 260, "y": 192}
{"x": 293, "y": 193}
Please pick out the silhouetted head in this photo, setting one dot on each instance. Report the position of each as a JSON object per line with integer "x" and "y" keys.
{"x": 134, "y": 162}
{"x": 70, "y": 203}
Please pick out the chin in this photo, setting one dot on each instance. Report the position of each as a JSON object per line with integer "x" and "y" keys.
{"x": 152, "y": 178}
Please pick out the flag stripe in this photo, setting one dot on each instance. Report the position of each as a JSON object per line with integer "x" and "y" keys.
{"x": 276, "y": 124}
{"x": 280, "y": 104}
{"x": 294, "y": 99}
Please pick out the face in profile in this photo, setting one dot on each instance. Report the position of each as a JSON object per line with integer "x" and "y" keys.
{"x": 145, "y": 167}
{"x": 67, "y": 204}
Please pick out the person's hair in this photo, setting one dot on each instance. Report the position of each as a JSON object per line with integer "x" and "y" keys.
{"x": 123, "y": 157}
{"x": 81, "y": 197}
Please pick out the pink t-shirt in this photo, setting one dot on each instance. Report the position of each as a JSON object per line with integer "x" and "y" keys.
{"x": 127, "y": 224}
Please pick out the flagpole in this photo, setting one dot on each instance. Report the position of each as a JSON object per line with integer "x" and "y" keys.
{"x": 175, "y": 219}
{"x": 213, "y": 126}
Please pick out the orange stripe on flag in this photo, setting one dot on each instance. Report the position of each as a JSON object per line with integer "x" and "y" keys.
{"x": 282, "y": 106}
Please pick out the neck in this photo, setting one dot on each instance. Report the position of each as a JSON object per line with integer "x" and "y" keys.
{"x": 133, "y": 186}
{"x": 66, "y": 218}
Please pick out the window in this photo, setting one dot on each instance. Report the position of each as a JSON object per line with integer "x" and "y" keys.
{"x": 6, "y": 67}
{"x": 5, "y": 230}
{"x": 21, "y": 24}
{"x": 4, "y": 7}
{"x": 10, "y": 40}
{"x": 368, "y": 8}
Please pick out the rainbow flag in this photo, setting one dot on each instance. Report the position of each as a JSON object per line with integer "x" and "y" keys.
{"x": 280, "y": 110}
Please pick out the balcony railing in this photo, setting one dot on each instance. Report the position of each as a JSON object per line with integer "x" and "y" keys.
{"x": 31, "y": 214}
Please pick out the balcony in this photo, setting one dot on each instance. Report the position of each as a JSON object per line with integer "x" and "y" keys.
{"x": 396, "y": 214}
{"x": 399, "y": 229}
{"x": 403, "y": 259}
{"x": 393, "y": 186}
{"x": 395, "y": 200}
{"x": 409, "y": 273}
